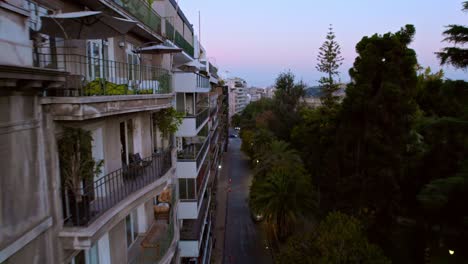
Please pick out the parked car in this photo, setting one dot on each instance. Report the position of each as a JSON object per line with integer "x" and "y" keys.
{"x": 237, "y": 128}
{"x": 232, "y": 135}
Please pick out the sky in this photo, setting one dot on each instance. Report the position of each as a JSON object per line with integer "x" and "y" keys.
{"x": 258, "y": 39}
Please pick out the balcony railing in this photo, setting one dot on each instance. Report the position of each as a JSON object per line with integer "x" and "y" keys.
{"x": 90, "y": 76}
{"x": 192, "y": 228}
{"x": 201, "y": 117}
{"x": 194, "y": 152}
{"x": 202, "y": 81}
{"x": 143, "y": 12}
{"x": 84, "y": 205}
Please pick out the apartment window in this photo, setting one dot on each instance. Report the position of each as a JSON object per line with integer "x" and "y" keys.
{"x": 131, "y": 228}
{"x": 133, "y": 63}
{"x": 187, "y": 189}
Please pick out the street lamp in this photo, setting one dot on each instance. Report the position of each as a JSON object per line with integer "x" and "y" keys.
{"x": 451, "y": 252}
{"x": 219, "y": 166}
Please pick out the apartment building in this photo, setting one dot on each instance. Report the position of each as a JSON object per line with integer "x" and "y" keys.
{"x": 90, "y": 173}
{"x": 238, "y": 95}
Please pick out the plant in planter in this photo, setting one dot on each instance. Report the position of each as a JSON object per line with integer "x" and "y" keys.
{"x": 77, "y": 170}
{"x": 168, "y": 121}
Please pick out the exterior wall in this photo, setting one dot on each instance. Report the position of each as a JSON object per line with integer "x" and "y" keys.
{"x": 31, "y": 221}
{"x": 118, "y": 244}
{"x": 15, "y": 48}
{"x": 29, "y": 164}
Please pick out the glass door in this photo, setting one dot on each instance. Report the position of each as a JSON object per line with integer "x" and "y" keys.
{"x": 96, "y": 58}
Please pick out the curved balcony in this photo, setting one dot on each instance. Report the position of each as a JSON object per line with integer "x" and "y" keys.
{"x": 82, "y": 206}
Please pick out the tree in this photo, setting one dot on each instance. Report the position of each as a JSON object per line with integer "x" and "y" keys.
{"x": 286, "y": 104}
{"x": 338, "y": 239}
{"x": 282, "y": 197}
{"x": 279, "y": 154}
{"x": 329, "y": 60}
{"x": 457, "y": 56}
{"x": 376, "y": 121}
{"x": 235, "y": 120}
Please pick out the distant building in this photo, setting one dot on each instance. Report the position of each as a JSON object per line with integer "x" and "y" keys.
{"x": 256, "y": 93}
{"x": 238, "y": 98}
{"x": 269, "y": 92}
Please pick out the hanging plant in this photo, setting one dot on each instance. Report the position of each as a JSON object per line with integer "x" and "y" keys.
{"x": 168, "y": 121}
{"x": 76, "y": 161}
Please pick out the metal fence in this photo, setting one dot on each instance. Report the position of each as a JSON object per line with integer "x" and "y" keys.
{"x": 90, "y": 76}
{"x": 84, "y": 205}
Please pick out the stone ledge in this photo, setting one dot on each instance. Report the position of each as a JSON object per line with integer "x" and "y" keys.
{"x": 83, "y": 108}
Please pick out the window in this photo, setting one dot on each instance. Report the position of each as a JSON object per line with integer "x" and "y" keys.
{"x": 187, "y": 189}
{"x": 133, "y": 63}
{"x": 131, "y": 228}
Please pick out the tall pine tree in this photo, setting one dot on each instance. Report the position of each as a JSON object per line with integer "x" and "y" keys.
{"x": 457, "y": 56}
{"x": 329, "y": 60}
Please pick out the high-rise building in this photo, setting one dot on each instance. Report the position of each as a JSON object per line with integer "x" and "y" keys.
{"x": 238, "y": 98}
{"x": 91, "y": 170}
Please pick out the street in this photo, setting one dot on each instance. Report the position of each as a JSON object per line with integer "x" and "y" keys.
{"x": 244, "y": 240}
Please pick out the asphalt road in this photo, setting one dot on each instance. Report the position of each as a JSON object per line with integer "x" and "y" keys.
{"x": 244, "y": 240}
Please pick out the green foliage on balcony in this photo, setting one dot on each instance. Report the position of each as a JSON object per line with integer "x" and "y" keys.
{"x": 100, "y": 86}
{"x": 142, "y": 11}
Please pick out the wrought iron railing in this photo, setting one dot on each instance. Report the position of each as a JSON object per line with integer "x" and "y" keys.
{"x": 90, "y": 76}
{"x": 84, "y": 205}
{"x": 142, "y": 11}
{"x": 201, "y": 117}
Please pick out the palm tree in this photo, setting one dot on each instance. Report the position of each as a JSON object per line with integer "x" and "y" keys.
{"x": 282, "y": 196}
{"x": 262, "y": 140}
{"x": 279, "y": 154}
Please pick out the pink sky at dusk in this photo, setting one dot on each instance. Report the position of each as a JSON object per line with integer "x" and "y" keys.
{"x": 256, "y": 40}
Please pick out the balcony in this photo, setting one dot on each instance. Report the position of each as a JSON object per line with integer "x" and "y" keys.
{"x": 189, "y": 82}
{"x": 178, "y": 39}
{"x": 156, "y": 244}
{"x": 96, "y": 87}
{"x": 190, "y": 208}
{"x": 89, "y": 76}
{"x": 192, "y": 124}
{"x": 190, "y": 159}
{"x": 142, "y": 12}
{"x": 82, "y": 206}
{"x": 193, "y": 230}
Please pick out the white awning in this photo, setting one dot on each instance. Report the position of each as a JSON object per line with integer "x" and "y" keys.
{"x": 85, "y": 25}
{"x": 158, "y": 49}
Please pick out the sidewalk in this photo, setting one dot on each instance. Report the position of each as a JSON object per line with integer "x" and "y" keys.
{"x": 221, "y": 210}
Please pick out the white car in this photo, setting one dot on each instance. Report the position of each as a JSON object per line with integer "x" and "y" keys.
{"x": 237, "y": 128}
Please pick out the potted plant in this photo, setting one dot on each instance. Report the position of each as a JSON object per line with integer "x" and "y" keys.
{"x": 77, "y": 170}
{"x": 168, "y": 121}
